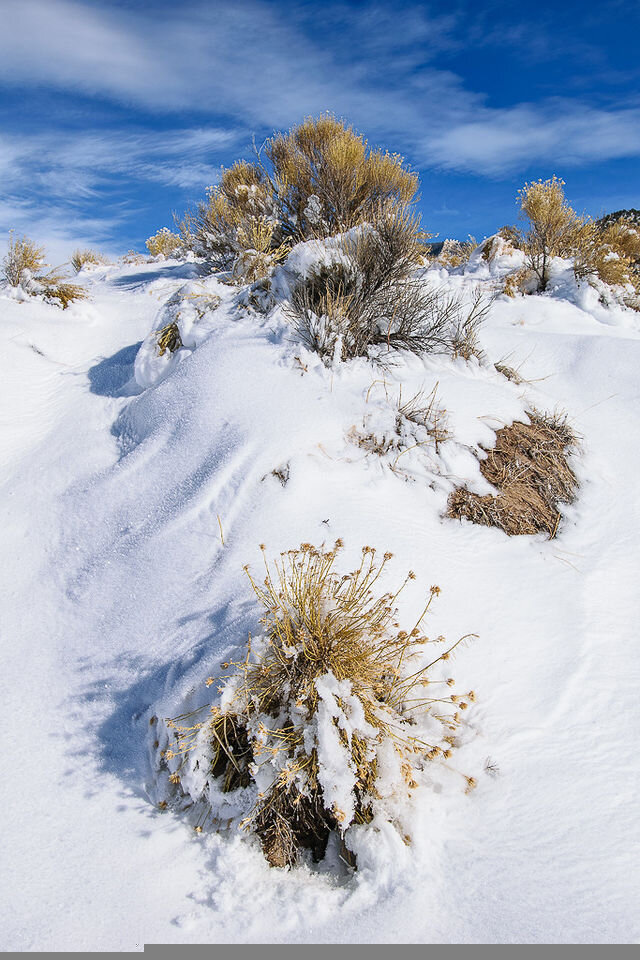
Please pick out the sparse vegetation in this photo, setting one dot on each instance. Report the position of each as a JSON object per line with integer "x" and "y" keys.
{"x": 331, "y": 710}
{"x": 22, "y": 267}
{"x": 529, "y": 466}
{"x": 86, "y": 258}
{"x": 24, "y": 259}
{"x": 164, "y": 243}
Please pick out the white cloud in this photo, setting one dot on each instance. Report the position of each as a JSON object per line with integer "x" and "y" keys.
{"x": 556, "y": 131}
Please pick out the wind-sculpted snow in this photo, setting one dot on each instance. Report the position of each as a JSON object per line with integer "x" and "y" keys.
{"x": 134, "y": 493}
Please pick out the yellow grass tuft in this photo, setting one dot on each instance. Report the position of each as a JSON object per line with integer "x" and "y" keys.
{"x": 320, "y": 630}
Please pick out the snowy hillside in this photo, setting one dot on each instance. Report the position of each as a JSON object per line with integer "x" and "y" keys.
{"x": 136, "y": 487}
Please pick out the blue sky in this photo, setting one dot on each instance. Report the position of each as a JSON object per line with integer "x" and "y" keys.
{"x": 113, "y": 113}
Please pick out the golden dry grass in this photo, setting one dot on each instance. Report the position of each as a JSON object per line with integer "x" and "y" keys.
{"x": 82, "y": 258}
{"x": 529, "y": 467}
{"x": 318, "y": 624}
{"x": 168, "y": 338}
{"x": 22, "y": 255}
{"x": 164, "y": 243}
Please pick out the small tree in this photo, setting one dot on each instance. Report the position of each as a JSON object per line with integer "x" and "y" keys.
{"x": 554, "y": 228}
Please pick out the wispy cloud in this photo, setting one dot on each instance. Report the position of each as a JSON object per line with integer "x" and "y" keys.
{"x": 260, "y": 68}
{"x": 557, "y": 131}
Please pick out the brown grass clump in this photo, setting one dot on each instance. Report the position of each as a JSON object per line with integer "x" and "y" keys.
{"x": 529, "y": 466}
{"x": 61, "y": 291}
{"x": 331, "y": 681}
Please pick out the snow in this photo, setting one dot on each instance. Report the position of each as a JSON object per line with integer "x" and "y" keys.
{"x": 134, "y": 490}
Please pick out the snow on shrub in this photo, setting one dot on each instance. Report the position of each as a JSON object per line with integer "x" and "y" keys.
{"x": 87, "y": 258}
{"x": 164, "y": 243}
{"x": 183, "y": 324}
{"x": 22, "y": 269}
{"x": 329, "y": 720}
{"x": 368, "y": 296}
{"x": 317, "y": 180}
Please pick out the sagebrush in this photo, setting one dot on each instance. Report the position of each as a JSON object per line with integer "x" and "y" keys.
{"x": 317, "y": 180}
{"x": 332, "y": 714}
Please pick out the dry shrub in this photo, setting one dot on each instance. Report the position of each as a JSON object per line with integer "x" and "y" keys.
{"x": 260, "y": 251}
{"x": 455, "y": 253}
{"x": 465, "y": 331}
{"x": 23, "y": 257}
{"x": 84, "y": 258}
{"x": 608, "y": 250}
{"x": 509, "y": 373}
{"x": 419, "y": 416}
{"x": 168, "y": 338}
{"x": 308, "y": 716}
{"x": 58, "y": 290}
{"x": 163, "y": 243}
{"x": 327, "y": 179}
{"x": 529, "y": 467}
{"x": 229, "y": 222}
{"x": 22, "y": 266}
{"x": 519, "y": 281}
{"x": 134, "y": 258}
{"x": 317, "y": 180}
{"x": 368, "y": 298}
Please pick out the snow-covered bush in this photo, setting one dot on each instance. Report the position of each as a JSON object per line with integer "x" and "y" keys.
{"x": 22, "y": 268}
{"x": 329, "y": 719}
{"x": 164, "y": 243}
{"x": 86, "y": 258}
{"x": 238, "y": 215}
{"x": 318, "y": 180}
{"x": 23, "y": 257}
{"x": 369, "y": 296}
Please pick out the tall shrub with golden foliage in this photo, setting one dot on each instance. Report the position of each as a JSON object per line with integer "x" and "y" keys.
{"x": 317, "y": 180}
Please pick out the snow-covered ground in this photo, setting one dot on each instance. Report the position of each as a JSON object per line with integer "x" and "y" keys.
{"x": 129, "y": 507}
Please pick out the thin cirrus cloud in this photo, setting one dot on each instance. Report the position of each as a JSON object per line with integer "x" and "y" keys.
{"x": 252, "y": 64}
{"x": 494, "y": 142}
